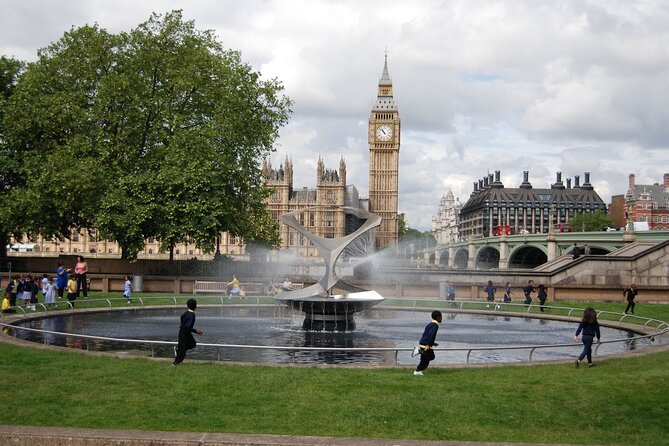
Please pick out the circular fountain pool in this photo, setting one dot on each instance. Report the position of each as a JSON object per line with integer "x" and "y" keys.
{"x": 376, "y": 328}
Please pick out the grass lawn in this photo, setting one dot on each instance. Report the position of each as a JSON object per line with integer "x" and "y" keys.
{"x": 621, "y": 401}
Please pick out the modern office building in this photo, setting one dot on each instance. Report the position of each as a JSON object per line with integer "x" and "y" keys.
{"x": 525, "y": 209}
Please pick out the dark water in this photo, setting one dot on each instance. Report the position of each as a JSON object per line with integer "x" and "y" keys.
{"x": 278, "y": 326}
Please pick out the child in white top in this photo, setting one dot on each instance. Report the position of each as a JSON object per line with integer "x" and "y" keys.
{"x": 127, "y": 289}
{"x": 50, "y": 294}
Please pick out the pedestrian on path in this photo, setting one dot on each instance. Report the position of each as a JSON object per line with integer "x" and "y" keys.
{"x": 630, "y": 293}
{"x": 590, "y": 328}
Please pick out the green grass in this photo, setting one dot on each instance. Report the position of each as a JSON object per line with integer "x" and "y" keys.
{"x": 621, "y": 401}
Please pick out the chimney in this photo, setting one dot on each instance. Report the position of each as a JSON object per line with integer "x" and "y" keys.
{"x": 631, "y": 181}
{"x": 486, "y": 184}
{"x": 568, "y": 183}
{"x": 480, "y": 184}
{"x": 577, "y": 180}
{"x": 586, "y": 182}
{"x": 558, "y": 181}
{"x": 497, "y": 183}
{"x": 526, "y": 182}
{"x": 666, "y": 183}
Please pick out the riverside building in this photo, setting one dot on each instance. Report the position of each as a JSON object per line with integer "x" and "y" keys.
{"x": 525, "y": 209}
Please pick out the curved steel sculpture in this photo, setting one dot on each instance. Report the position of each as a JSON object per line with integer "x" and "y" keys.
{"x": 322, "y": 308}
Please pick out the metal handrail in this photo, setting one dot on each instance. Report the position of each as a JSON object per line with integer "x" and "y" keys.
{"x": 293, "y": 350}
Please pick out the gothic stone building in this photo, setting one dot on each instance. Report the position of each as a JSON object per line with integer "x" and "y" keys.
{"x": 331, "y": 188}
{"x": 445, "y": 223}
{"x": 525, "y": 209}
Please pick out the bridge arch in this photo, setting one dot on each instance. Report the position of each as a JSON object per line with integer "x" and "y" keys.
{"x": 431, "y": 259}
{"x": 461, "y": 258}
{"x": 487, "y": 258}
{"x": 527, "y": 256}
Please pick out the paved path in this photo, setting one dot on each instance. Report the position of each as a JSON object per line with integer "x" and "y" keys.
{"x": 61, "y": 436}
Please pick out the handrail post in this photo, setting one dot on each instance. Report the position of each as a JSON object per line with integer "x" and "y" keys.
{"x": 109, "y": 302}
{"x": 531, "y": 353}
{"x": 469, "y": 352}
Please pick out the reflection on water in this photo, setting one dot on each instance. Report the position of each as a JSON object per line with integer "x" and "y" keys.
{"x": 280, "y": 326}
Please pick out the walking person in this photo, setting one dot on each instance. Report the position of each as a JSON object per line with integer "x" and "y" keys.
{"x": 527, "y": 290}
{"x": 234, "y": 287}
{"x": 490, "y": 292}
{"x": 186, "y": 330}
{"x": 127, "y": 289}
{"x": 426, "y": 344}
{"x": 590, "y": 328}
{"x": 630, "y": 293}
{"x": 507, "y": 293}
{"x": 542, "y": 296}
{"x": 80, "y": 270}
{"x": 72, "y": 290}
{"x": 586, "y": 250}
{"x": 61, "y": 279}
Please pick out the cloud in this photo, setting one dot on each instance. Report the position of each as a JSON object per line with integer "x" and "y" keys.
{"x": 481, "y": 86}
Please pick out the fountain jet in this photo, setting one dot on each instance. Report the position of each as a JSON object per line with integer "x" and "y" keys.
{"x": 324, "y": 309}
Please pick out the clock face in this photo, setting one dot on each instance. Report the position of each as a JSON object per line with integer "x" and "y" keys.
{"x": 384, "y": 132}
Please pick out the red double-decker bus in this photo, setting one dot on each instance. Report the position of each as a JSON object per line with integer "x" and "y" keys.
{"x": 563, "y": 227}
{"x": 501, "y": 230}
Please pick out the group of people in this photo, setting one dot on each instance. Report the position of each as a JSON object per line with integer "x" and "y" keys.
{"x": 25, "y": 290}
{"x": 588, "y": 329}
{"x": 576, "y": 251}
{"x": 490, "y": 289}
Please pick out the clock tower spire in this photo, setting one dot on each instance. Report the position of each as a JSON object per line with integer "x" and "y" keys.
{"x": 384, "y": 149}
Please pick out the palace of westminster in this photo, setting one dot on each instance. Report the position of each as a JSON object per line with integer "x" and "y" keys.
{"x": 491, "y": 205}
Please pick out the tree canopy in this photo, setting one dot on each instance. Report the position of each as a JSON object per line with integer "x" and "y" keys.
{"x": 158, "y": 132}
{"x": 591, "y": 222}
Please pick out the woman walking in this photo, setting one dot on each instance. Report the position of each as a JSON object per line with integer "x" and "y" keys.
{"x": 590, "y": 328}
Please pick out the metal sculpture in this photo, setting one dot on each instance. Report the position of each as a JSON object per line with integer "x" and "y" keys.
{"x": 322, "y": 308}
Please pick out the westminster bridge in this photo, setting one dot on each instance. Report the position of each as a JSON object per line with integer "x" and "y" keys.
{"x": 530, "y": 251}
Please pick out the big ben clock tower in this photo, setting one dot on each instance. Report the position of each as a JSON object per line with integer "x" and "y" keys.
{"x": 384, "y": 152}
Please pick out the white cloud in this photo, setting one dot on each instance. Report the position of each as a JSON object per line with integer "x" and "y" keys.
{"x": 570, "y": 86}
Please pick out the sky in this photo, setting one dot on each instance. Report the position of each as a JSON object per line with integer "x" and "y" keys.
{"x": 539, "y": 86}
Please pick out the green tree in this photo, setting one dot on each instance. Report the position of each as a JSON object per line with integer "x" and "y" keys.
{"x": 10, "y": 71}
{"x": 411, "y": 237}
{"x": 158, "y": 132}
{"x": 591, "y": 222}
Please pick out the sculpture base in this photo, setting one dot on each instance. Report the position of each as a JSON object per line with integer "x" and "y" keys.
{"x": 331, "y": 313}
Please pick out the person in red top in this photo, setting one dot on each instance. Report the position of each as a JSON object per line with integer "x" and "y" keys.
{"x": 80, "y": 269}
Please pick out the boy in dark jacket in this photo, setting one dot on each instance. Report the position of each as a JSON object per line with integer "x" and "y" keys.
{"x": 427, "y": 343}
{"x": 186, "y": 330}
